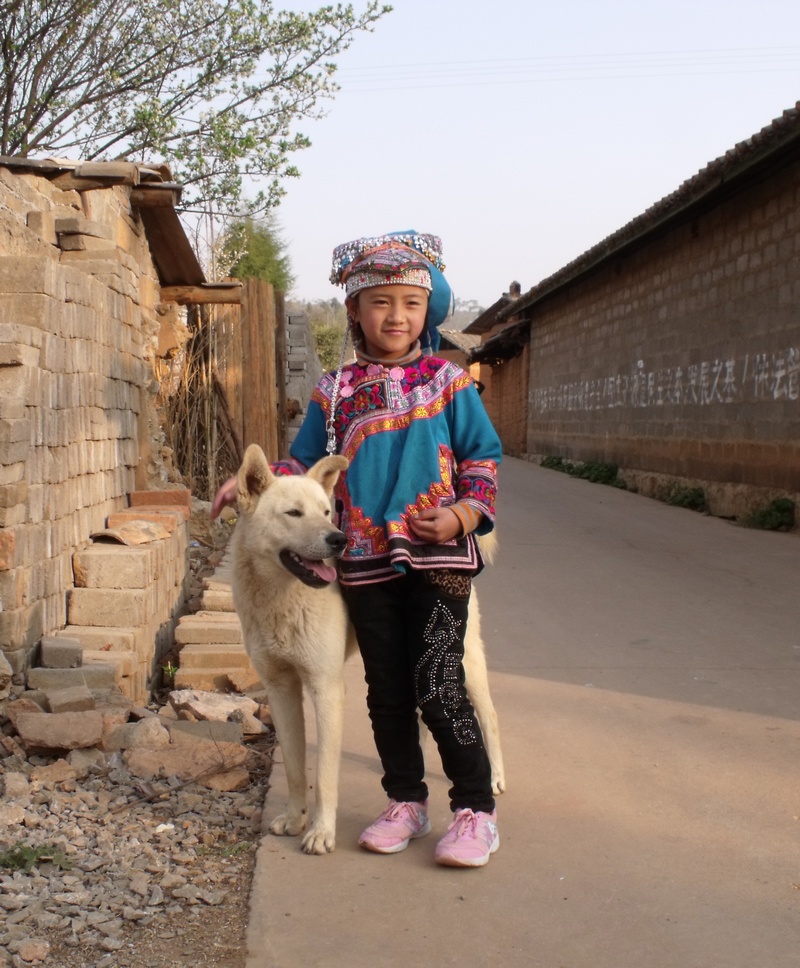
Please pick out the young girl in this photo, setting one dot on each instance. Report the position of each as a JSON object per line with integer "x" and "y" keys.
{"x": 421, "y": 484}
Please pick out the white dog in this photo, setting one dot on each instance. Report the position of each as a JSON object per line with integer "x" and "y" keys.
{"x": 297, "y": 634}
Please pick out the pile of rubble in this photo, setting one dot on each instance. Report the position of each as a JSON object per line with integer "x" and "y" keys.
{"x": 128, "y": 831}
{"x": 119, "y": 818}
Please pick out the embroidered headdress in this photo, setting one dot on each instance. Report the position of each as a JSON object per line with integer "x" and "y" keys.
{"x": 410, "y": 258}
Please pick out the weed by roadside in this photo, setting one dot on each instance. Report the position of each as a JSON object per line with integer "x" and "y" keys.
{"x": 778, "y": 515}
{"x": 24, "y": 857}
{"x": 693, "y": 498}
{"x": 597, "y": 472}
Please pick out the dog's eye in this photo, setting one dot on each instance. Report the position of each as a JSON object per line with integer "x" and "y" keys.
{"x": 294, "y": 513}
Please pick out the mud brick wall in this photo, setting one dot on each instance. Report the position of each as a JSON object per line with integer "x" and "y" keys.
{"x": 507, "y": 403}
{"x": 682, "y": 357}
{"x": 78, "y": 337}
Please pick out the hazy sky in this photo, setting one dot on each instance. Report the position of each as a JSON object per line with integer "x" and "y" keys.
{"x": 524, "y": 132}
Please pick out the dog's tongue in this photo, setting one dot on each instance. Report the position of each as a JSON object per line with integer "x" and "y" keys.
{"x": 325, "y": 572}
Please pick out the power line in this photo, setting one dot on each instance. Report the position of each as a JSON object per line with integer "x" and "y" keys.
{"x": 560, "y": 60}
{"x": 566, "y": 67}
{"x": 349, "y": 89}
{"x": 560, "y": 68}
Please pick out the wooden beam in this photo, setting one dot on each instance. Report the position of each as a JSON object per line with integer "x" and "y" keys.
{"x": 175, "y": 259}
{"x": 199, "y": 295}
{"x": 155, "y": 195}
{"x": 69, "y": 181}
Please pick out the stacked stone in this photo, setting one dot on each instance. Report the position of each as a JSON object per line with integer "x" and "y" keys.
{"x": 77, "y": 304}
{"x": 303, "y": 370}
{"x": 210, "y": 642}
{"x": 128, "y": 599}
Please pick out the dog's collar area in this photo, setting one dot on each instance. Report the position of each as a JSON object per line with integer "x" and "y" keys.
{"x": 316, "y": 574}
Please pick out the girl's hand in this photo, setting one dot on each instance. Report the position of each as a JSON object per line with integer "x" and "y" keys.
{"x": 435, "y": 525}
{"x": 225, "y": 495}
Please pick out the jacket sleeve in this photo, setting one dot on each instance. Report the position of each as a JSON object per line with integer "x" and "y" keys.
{"x": 477, "y": 450}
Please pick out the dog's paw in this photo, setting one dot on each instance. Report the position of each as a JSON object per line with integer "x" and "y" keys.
{"x": 287, "y": 825}
{"x": 319, "y": 840}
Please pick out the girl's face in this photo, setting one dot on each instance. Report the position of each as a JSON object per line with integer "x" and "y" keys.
{"x": 391, "y": 318}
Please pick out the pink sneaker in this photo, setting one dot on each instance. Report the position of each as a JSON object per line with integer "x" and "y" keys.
{"x": 399, "y": 823}
{"x": 470, "y": 839}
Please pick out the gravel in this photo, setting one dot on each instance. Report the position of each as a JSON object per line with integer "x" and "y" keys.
{"x": 112, "y": 872}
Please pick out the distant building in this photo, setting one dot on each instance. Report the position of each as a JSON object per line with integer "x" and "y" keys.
{"x": 671, "y": 348}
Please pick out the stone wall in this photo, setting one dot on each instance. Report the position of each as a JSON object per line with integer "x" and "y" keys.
{"x": 303, "y": 370}
{"x": 79, "y": 323}
{"x": 682, "y": 357}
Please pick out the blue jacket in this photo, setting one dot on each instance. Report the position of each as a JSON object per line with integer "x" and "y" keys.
{"x": 416, "y": 436}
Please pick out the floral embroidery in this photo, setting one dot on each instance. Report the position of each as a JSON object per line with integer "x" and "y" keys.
{"x": 346, "y": 389}
{"x": 477, "y": 482}
{"x": 364, "y": 537}
{"x": 361, "y": 399}
{"x": 375, "y": 401}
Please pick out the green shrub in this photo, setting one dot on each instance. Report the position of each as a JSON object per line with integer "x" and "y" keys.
{"x": 693, "y": 498}
{"x": 592, "y": 470}
{"x": 554, "y": 463}
{"x": 597, "y": 472}
{"x": 777, "y": 516}
{"x": 24, "y": 857}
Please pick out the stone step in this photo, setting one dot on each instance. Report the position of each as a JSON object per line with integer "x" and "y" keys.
{"x": 124, "y": 663}
{"x": 208, "y": 655}
{"x": 99, "y": 637}
{"x": 198, "y": 629}
{"x": 218, "y": 601}
{"x": 216, "y": 679}
{"x": 97, "y": 677}
{"x": 211, "y": 616}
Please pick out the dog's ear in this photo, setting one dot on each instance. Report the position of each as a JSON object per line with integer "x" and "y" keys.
{"x": 254, "y": 477}
{"x": 326, "y": 471}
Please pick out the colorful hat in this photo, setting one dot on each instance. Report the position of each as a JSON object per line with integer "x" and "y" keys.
{"x": 410, "y": 258}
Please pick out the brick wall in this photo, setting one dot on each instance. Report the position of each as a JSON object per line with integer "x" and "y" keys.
{"x": 78, "y": 339}
{"x": 507, "y": 401}
{"x": 682, "y": 357}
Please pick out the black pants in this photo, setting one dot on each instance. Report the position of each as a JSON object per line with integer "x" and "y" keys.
{"x": 410, "y": 632}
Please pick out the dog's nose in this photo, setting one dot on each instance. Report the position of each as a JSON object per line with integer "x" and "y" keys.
{"x": 337, "y": 541}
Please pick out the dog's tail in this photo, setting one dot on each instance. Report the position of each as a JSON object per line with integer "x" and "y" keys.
{"x": 489, "y": 545}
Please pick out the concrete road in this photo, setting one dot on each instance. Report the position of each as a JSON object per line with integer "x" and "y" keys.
{"x": 646, "y": 669}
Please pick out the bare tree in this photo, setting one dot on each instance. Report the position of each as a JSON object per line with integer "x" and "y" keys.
{"x": 214, "y": 87}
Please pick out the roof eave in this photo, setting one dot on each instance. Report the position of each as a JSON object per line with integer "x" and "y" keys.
{"x": 487, "y": 318}
{"x": 774, "y": 146}
{"x": 153, "y": 194}
{"x": 505, "y": 345}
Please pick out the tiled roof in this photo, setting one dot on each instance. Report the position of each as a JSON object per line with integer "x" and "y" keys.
{"x": 488, "y": 318}
{"x": 782, "y": 135}
{"x": 153, "y": 193}
{"x": 459, "y": 340}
